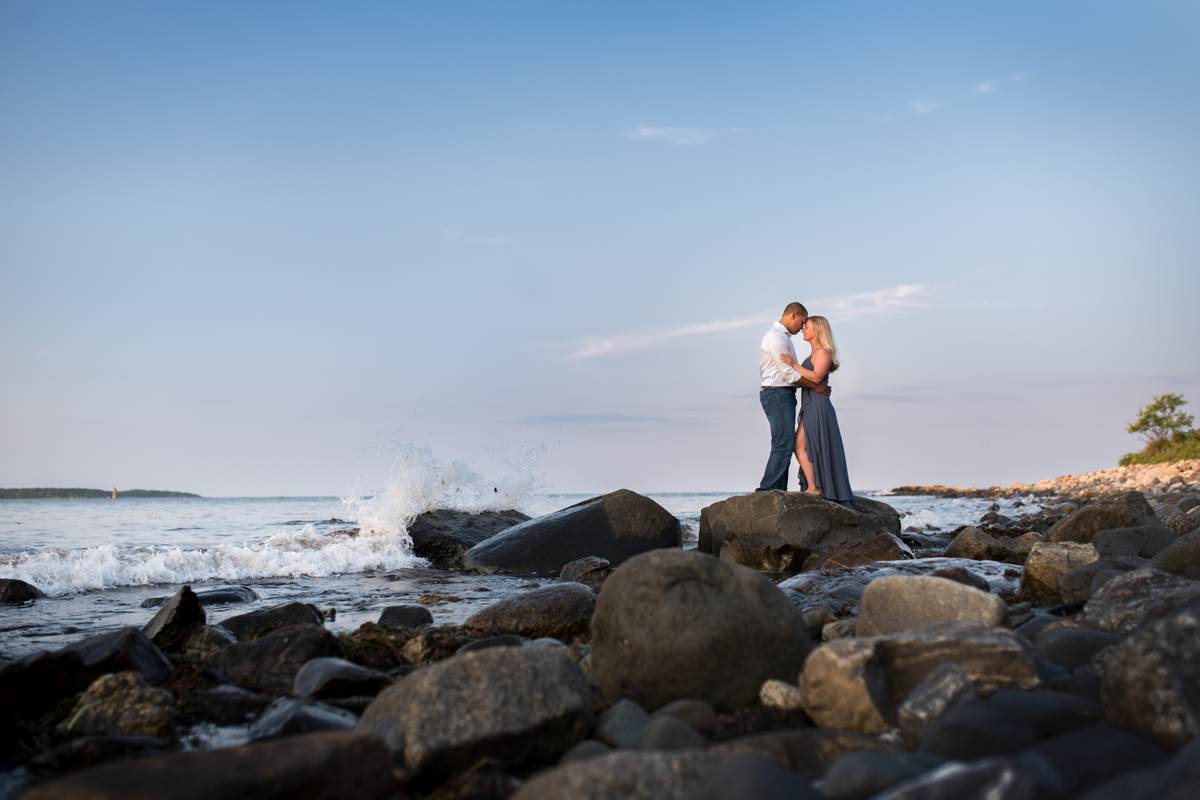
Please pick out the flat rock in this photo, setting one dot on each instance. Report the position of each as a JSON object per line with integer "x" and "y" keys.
{"x": 443, "y": 536}
{"x": 1131, "y": 599}
{"x": 562, "y": 610}
{"x": 614, "y": 526}
{"x": 405, "y": 617}
{"x": 1047, "y": 562}
{"x": 327, "y": 677}
{"x": 895, "y": 603}
{"x": 675, "y": 624}
{"x": 778, "y": 531}
{"x": 264, "y": 621}
{"x": 1127, "y": 510}
{"x": 13, "y": 590}
{"x": 591, "y": 571}
{"x": 176, "y": 620}
{"x": 270, "y": 663}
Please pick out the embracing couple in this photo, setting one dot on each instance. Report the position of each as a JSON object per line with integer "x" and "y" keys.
{"x": 815, "y": 439}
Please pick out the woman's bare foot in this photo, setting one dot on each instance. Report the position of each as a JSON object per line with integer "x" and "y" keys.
{"x": 812, "y": 491}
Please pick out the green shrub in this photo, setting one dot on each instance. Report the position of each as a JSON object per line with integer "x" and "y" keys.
{"x": 1180, "y": 447}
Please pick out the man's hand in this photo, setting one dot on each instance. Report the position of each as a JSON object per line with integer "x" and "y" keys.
{"x": 824, "y": 389}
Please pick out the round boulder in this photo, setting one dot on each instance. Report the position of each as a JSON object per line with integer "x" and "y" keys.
{"x": 560, "y": 611}
{"x": 13, "y": 590}
{"x": 899, "y": 602}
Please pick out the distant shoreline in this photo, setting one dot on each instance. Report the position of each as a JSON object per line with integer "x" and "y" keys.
{"x": 86, "y": 494}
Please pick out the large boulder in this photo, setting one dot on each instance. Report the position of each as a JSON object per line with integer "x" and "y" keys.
{"x": 270, "y": 664}
{"x": 1131, "y": 599}
{"x": 615, "y": 526}
{"x": 443, "y": 536}
{"x": 13, "y": 590}
{"x": 1127, "y": 510}
{"x": 176, "y": 620}
{"x": 675, "y": 624}
{"x": 562, "y": 611}
{"x": 264, "y": 621}
{"x": 121, "y": 704}
{"x": 516, "y": 705}
{"x": 1144, "y": 541}
{"x": 1181, "y": 554}
{"x": 777, "y": 531}
{"x": 884, "y": 547}
{"x": 1048, "y": 562}
{"x": 330, "y": 766}
{"x": 897, "y": 603}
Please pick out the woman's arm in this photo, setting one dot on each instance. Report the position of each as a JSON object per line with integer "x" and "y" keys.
{"x": 821, "y": 363}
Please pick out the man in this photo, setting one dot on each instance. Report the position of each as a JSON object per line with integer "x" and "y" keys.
{"x": 778, "y": 394}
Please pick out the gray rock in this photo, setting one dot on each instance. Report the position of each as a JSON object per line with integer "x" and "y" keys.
{"x": 1175, "y": 780}
{"x": 1073, "y": 647}
{"x": 988, "y": 778}
{"x": 324, "y": 678}
{"x": 91, "y": 751}
{"x": 13, "y": 590}
{"x": 625, "y": 775}
{"x": 121, "y": 704}
{"x": 816, "y": 618}
{"x": 1144, "y": 541}
{"x": 839, "y": 629}
{"x": 205, "y": 642}
{"x": 675, "y": 624}
{"x": 664, "y": 732}
{"x": 945, "y": 688}
{"x": 588, "y": 748}
{"x": 444, "y": 536}
{"x": 1184, "y": 552}
{"x": 512, "y": 704}
{"x": 1076, "y": 585}
{"x": 1128, "y": 510}
{"x": 884, "y": 547}
{"x": 405, "y": 617}
{"x": 621, "y": 725}
{"x": 777, "y": 531}
{"x": 866, "y": 773}
{"x": 178, "y": 618}
{"x": 1068, "y": 764}
{"x": 562, "y": 611}
{"x": 780, "y": 695}
{"x": 963, "y": 576}
{"x": 976, "y": 544}
{"x": 591, "y": 571}
{"x": 1151, "y": 681}
{"x": 615, "y": 526}
{"x": 212, "y": 597}
{"x": 1005, "y": 722}
{"x": 698, "y": 714}
{"x": 1047, "y": 562}
{"x": 809, "y": 751}
{"x": 1129, "y": 600}
{"x": 500, "y": 640}
{"x": 287, "y": 717}
{"x": 256, "y": 624}
{"x": 751, "y": 778}
{"x": 897, "y": 603}
{"x": 228, "y": 704}
{"x": 270, "y": 664}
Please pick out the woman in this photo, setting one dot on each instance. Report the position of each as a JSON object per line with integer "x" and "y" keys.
{"x": 818, "y": 439}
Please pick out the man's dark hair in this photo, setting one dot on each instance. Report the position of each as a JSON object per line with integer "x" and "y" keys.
{"x": 795, "y": 308}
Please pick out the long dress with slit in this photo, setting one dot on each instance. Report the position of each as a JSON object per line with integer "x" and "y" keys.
{"x": 823, "y": 441}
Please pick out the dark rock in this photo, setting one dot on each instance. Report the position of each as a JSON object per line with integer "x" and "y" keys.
{"x": 946, "y": 687}
{"x": 1130, "y": 600}
{"x": 698, "y": 714}
{"x": 1151, "y": 681}
{"x": 963, "y": 576}
{"x": 625, "y": 775}
{"x": 1175, "y": 780}
{"x": 614, "y": 526}
{"x": 502, "y": 640}
{"x": 444, "y": 536}
{"x": 591, "y": 571}
{"x": 175, "y": 621}
{"x": 1073, "y": 647}
{"x": 121, "y": 704}
{"x": 212, "y": 597}
{"x": 228, "y": 705}
{"x": 1184, "y": 552}
{"x": 621, "y": 725}
{"x": 270, "y": 663}
{"x": 809, "y": 751}
{"x": 896, "y": 603}
{"x": 517, "y": 705}
{"x": 1071, "y": 763}
{"x": 1144, "y": 541}
{"x": 665, "y": 613}
{"x": 91, "y": 751}
{"x": 265, "y": 621}
{"x": 1005, "y": 722}
{"x": 405, "y": 617}
{"x": 434, "y": 644}
{"x": 1128, "y": 510}
{"x": 1077, "y": 584}
{"x": 13, "y": 590}
{"x": 324, "y": 678}
{"x": 588, "y": 748}
{"x": 976, "y": 544}
{"x": 563, "y": 611}
{"x": 751, "y": 778}
{"x": 989, "y": 778}
{"x": 865, "y": 773}
{"x": 205, "y": 642}
{"x": 777, "y": 531}
{"x": 884, "y": 547}
{"x": 286, "y": 717}
{"x": 331, "y": 766}
{"x": 1046, "y": 563}
{"x": 664, "y": 732}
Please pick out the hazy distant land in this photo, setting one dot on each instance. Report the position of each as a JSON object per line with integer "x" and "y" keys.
{"x": 84, "y": 494}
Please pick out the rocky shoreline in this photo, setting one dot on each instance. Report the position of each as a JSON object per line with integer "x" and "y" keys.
{"x": 805, "y": 650}
{"x": 1157, "y": 479}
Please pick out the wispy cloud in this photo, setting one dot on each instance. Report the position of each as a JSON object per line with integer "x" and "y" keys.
{"x": 993, "y": 85}
{"x": 682, "y": 135}
{"x": 924, "y": 106}
{"x": 986, "y": 87}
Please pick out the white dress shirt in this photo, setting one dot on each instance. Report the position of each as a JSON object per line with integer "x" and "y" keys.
{"x": 775, "y": 343}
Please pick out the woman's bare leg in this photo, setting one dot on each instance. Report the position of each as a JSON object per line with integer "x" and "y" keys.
{"x": 805, "y": 465}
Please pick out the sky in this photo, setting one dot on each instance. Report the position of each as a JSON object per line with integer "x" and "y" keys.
{"x": 268, "y": 248}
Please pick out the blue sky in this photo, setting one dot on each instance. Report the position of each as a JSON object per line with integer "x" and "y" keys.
{"x": 247, "y": 247}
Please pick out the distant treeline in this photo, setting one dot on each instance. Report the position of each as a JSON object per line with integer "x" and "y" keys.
{"x": 83, "y": 494}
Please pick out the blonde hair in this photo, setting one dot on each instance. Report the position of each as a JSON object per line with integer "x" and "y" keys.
{"x": 823, "y": 337}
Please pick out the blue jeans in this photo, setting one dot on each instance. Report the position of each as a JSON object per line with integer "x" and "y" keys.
{"x": 780, "y": 407}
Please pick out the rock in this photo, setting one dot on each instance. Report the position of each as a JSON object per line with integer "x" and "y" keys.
{"x": 588, "y": 748}
{"x": 175, "y": 621}
{"x": 212, "y": 597}
{"x": 324, "y": 678}
{"x": 121, "y": 704}
{"x": 502, "y": 640}
{"x": 621, "y": 725}
{"x": 1134, "y": 598}
{"x": 1144, "y": 541}
{"x": 405, "y": 617}
{"x": 809, "y": 751}
{"x": 265, "y": 621}
{"x": 91, "y": 751}
{"x": 751, "y": 778}
{"x": 563, "y": 610}
{"x": 975, "y": 544}
{"x": 675, "y": 624}
{"x": 1184, "y": 552}
{"x": 615, "y": 526}
{"x": 1047, "y": 562}
{"x": 1150, "y": 682}
{"x": 943, "y": 689}
{"x": 1076, "y": 585}
{"x": 988, "y": 778}
{"x": 866, "y": 773}
{"x": 1174, "y": 780}
{"x": 781, "y": 695}
{"x": 777, "y": 531}
{"x": 884, "y": 547}
{"x": 664, "y": 732}
{"x": 857, "y": 684}
{"x": 624, "y": 775}
{"x": 1069, "y": 764}
{"x": 331, "y": 766}
{"x": 228, "y": 705}
{"x": 591, "y": 571}
{"x": 816, "y": 618}
{"x": 13, "y": 590}
{"x": 270, "y": 663}
{"x": 516, "y": 705}
{"x": 963, "y": 576}
{"x": 698, "y": 714}
{"x": 839, "y": 629}
{"x": 444, "y": 536}
{"x": 897, "y": 603}
{"x": 287, "y": 717}
{"x": 1005, "y": 722}
{"x": 434, "y": 644}
{"x": 1128, "y": 510}
{"x": 1073, "y": 647}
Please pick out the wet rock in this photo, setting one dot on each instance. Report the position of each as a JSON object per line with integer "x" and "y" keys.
{"x": 1006, "y": 722}
{"x": 624, "y": 775}
{"x": 265, "y": 621}
{"x": 517, "y": 705}
{"x": 615, "y": 526}
{"x": 405, "y": 617}
{"x": 664, "y": 732}
{"x": 324, "y": 678}
{"x": 1127, "y": 510}
{"x": 91, "y": 751}
{"x": 1144, "y": 541}
{"x": 1134, "y": 598}
{"x": 121, "y": 704}
{"x": 1151, "y": 681}
{"x": 1184, "y": 552}
{"x": 866, "y": 773}
{"x": 963, "y": 576}
{"x": 588, "y": 748}
{"x": 989, "y": 778}
{"x": 175, "y": 621}
{"x": 809, "y": 751}
{"x": 204, "y": 642}
{"x": 563, "y": 611}
{"x": 270, "y": 663}
{"x": 13, "y": 590}
{"x": 946, "y": 687}
{"x": 1077, "y": 584}
{"x": 897, "y": 603}
{"x": 1073, "y": 647}
{"x": 781, "y": 695}
{"x": 228, "y": 705}
{"x": 1176, "y": 779}
{"x": 698, "y": 714}
{"x": 444, "y": 536}
{"x": 434, "y": 644}
{"x": 777, "y": 531}
{"x": 884, "y": 547}
{"x": 621, "y": 725}
{"x": 591, "y": 571}
{"x": 502, "y": 640}
{"x": 675, "y": 624}
{"x": 1047, "y": 563}
{"x": 975, "y": 544}
{"x": 287, "y": 717}
{"x": 212, "y": 597}
{"x": 332, "y": 766}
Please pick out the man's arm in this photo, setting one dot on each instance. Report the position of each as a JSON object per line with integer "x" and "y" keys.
{"x": 777, "y": 347}
{"x": 819, "y": 388}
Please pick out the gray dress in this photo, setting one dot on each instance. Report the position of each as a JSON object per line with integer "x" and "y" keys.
{"x": 823, "y": 441}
